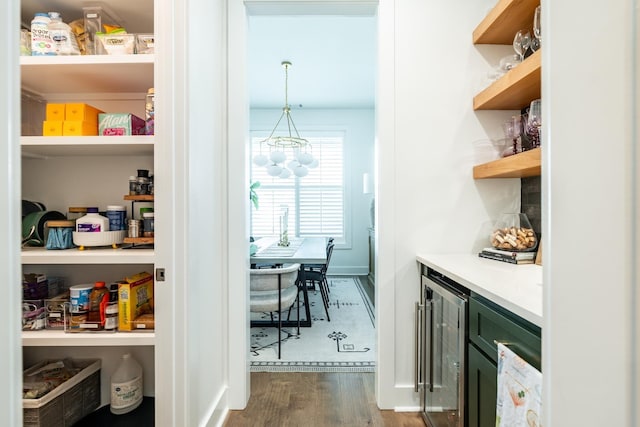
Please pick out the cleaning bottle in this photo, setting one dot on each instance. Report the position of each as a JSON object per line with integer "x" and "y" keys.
{"x": 92, "y": 222}
{"x": 126, "y": 386}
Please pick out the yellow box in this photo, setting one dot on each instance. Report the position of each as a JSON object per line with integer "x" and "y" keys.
{"x": 135, "y": 298}
{"x": 52, "y": 128}
{"x": 81, "y": 112}
{"x": 79, "y": 128}
{"x": 55, "y": 112}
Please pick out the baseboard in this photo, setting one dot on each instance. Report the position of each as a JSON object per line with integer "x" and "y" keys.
{"x": 218, "y": 411}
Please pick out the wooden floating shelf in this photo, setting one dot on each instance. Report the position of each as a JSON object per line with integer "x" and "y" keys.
{"x": 139, "y": 240}
{"x": 139, "y": 197}
{"x": 521, "y": 165}
{"x": 515, "y": 90}
{"x": 504, "y": 20}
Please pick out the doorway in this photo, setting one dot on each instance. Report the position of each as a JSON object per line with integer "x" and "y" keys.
{"x": 284, "y": 19}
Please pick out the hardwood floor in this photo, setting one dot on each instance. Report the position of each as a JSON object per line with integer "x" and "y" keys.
{"x": 316, "y": 399}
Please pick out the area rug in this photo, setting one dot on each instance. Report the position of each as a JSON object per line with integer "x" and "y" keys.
{"x": 344, "y": 344}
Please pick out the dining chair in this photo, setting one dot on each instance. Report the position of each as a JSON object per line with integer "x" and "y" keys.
{"x": 318, "y": 267}
{"x": 319, "y": 276}
{"x": 274, "y": 290}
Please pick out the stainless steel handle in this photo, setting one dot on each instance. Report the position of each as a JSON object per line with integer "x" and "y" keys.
{"x": 430, "y": 309}
{"x": 418, "y": 351}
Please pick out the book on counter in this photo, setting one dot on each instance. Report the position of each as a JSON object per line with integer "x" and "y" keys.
{"x": 508, "y": 256}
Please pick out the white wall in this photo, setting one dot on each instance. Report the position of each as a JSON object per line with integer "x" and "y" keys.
{"x": 427, "y": 199}
{"x": 588, "y": 356}
{"x": 359, "y": 128}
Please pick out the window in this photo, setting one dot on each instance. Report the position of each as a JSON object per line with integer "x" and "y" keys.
{"x": 315, "y": 202}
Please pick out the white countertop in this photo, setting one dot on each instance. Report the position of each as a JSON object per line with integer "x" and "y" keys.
{"x": 518, "y": 288}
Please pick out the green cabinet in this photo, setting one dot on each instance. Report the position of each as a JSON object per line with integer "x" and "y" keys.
{"x": 482, "y": 389}
{"x": 488, "y": 323}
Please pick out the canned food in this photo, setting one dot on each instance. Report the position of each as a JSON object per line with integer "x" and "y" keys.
{"x": 134, "y": 227}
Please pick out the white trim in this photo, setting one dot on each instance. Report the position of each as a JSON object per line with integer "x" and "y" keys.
{"x": 170, "y": 351}
{"x": 385, "y": 222}
{"x": 238, "y": 192}
{"x": 10, "y": 217}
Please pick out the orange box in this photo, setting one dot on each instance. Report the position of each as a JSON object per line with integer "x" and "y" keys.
{"x": 81, "y": 112}
{"x": 79, "y": 128}
{"x": 52, "y": 128}
{"x": 55, "y": 112}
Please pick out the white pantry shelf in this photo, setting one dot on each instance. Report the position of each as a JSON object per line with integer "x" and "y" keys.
{"x": 36, "y": 256}
{"x": 58, "y": 338}
{"x": 56, "y": 146}
{"x": 81, "y": 74}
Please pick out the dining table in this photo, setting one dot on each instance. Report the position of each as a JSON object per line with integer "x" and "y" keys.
{"x": 300, "y": 250}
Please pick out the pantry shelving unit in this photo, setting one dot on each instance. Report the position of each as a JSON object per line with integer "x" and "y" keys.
{"x": 90, "y": 171}
{"x": 514, "y": 90}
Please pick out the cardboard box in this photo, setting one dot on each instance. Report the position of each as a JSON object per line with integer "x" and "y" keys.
{"x": 135, "y": 298}
{"x": 55, "y": 112}
{"x": 81, "y": 113}
{"x": 118, "y": 124}
{"x": 78, "y": 128}
{"x": 52, "y": 128}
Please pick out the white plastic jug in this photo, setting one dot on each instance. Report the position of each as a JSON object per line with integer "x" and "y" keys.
{"x": 126, "y": 386}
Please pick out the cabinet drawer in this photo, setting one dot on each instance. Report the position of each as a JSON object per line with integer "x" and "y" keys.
{"x": 489, "y": 322}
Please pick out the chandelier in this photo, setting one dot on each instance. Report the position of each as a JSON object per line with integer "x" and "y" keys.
{"x": 299, "y": 149}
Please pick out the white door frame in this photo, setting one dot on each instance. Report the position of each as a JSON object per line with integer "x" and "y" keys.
{"x": 10, "y": 217}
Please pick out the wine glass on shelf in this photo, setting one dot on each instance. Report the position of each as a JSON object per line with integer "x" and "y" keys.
{"x": 537, "y": 28}
{"x": 534, "y": 122}
{"x": 513, "y": 133}
{"x": 521, "y": 42}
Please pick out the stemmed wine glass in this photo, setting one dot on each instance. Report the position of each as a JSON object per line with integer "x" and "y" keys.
{"x": 513, "y": 133}
{"x": 534, "y": 122}
{"x": 537, "y": 28}
{"x": 521, "y": 42}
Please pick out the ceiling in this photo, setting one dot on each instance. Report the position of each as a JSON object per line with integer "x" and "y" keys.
{"x": 333, "y": 61}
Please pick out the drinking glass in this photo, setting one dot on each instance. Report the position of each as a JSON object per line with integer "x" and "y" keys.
{"x": 537, "y": 28}
{"x": 521, "y": 42}
{"x": 513, "y": 132}
{"x": 534, "y": 122}
{"x": 535, "y": 44}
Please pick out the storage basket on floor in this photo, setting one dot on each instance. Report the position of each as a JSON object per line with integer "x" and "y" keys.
{"x": 69, "y": 402}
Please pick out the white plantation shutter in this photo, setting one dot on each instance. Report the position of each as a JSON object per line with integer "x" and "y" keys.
{"x": 315, "y": 202}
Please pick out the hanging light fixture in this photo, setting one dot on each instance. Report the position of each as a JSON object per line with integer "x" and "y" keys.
{"x": 299, "y": 148}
